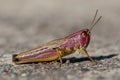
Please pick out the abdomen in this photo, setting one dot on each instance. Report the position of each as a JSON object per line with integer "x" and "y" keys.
{"x": 36, "y": 56}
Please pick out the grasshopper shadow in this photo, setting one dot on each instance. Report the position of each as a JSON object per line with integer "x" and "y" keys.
{"x": 98, "y": 58}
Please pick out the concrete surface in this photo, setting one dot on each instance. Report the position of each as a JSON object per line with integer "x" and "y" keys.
{"x": 26, "y": 24}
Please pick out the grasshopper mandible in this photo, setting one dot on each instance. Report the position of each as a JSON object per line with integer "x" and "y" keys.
{"x": 59, "y": 48}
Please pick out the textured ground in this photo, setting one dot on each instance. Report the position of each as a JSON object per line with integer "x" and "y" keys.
{"x": 26, "y": 24}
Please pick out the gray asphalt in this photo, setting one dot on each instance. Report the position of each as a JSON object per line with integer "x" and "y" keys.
{"x": 25, "y": 25}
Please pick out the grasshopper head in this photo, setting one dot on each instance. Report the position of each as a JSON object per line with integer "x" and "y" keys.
{"x": 85, "y": 33}
{"x": 84, "y": 37}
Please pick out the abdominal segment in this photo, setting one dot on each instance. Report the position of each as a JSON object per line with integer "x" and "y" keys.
{"x": 43, "y": 55}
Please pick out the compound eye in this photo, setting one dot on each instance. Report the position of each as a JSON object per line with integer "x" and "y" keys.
{"x": 84, "y": 34}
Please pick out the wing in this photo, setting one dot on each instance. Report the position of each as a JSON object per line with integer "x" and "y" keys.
{"x": 49, "y": 45}
{"x": 54, "y": 43}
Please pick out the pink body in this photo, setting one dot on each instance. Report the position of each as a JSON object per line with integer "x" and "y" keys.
{"x": 74, "y": 40}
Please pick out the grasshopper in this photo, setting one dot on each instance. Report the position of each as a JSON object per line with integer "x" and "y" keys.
{"x": 56, "y": 49}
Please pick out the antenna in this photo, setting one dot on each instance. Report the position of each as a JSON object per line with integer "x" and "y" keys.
{"x": 93, "y": 23}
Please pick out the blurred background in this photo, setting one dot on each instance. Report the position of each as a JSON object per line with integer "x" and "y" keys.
{"x": 25, "y": 24}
